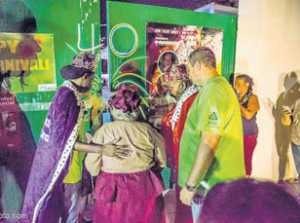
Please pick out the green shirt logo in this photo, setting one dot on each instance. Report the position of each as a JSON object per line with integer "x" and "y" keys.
{"x": 213, "y": 116}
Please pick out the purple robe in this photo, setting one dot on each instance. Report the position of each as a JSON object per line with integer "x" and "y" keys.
{"x": 53, "y": 156}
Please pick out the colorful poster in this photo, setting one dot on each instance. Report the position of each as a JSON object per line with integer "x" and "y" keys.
{"x": 171, "y": 44}
{"x": 27, "y": 62}
{"x": 10, "y": 135}
{"x": 131, "y": 39}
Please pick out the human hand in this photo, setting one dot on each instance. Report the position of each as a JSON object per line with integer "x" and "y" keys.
{"x": 186, "y": 196}
{"x": 113, "y": 150}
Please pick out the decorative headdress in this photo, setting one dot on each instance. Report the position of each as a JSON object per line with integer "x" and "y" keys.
{"x": 81, "y": 64}
{"x": 127, "y": 99}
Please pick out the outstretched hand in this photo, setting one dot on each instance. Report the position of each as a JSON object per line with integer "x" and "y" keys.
{"x": 114, "y": 150}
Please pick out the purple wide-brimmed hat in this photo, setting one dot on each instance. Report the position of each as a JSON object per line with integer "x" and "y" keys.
{"x": 81, "y": 64}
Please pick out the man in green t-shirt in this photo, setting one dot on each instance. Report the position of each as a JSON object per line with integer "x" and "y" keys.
{"x": 211, "y": 147}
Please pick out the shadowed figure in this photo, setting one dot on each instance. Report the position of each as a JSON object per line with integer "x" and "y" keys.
{"x": 17, "y": 146}
{"x": 283, "y": 133}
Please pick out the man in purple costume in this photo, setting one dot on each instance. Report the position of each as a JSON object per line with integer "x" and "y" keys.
{"x": 53, "y": 188}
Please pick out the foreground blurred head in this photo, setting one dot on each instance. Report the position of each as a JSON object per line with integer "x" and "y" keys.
{"x": 247, "y": 200}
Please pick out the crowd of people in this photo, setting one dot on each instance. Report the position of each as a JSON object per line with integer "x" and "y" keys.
{"x": 207, "y": 140}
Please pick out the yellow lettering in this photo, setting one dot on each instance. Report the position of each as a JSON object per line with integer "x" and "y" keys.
{"x": 2, "y": 67}
{"x": 12, "y": 45}
{"x": 24, "y": 64}
{"x": 34, "y": 65}
{"x": 17, "y": 64}
{"x": 47, "y": 66}
{"x": 9, "y": 64}
{"x": 2, "y": 45}
{"x": 41, "y": 67}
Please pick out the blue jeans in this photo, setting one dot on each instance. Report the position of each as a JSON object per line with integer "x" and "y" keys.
{"x": 296, "y": 154}
{"x": 196, "y": 207}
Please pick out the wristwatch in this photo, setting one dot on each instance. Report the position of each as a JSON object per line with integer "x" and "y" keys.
{"x": 190, "y": 188}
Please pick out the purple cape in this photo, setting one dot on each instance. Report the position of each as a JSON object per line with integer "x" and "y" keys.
{"x": 53, "y": 156}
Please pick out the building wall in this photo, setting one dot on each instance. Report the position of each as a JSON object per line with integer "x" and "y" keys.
{"x": 268, "y": 48}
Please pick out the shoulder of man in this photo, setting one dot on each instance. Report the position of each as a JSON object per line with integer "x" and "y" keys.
{"x": 64, "y": 96}
{"x": 217, "y": 86}
{"x": 65, "y": 91}
{"x": 221, "y": 81}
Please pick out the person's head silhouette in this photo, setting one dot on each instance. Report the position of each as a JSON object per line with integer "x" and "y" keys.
{"x": 251, "y": 201}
